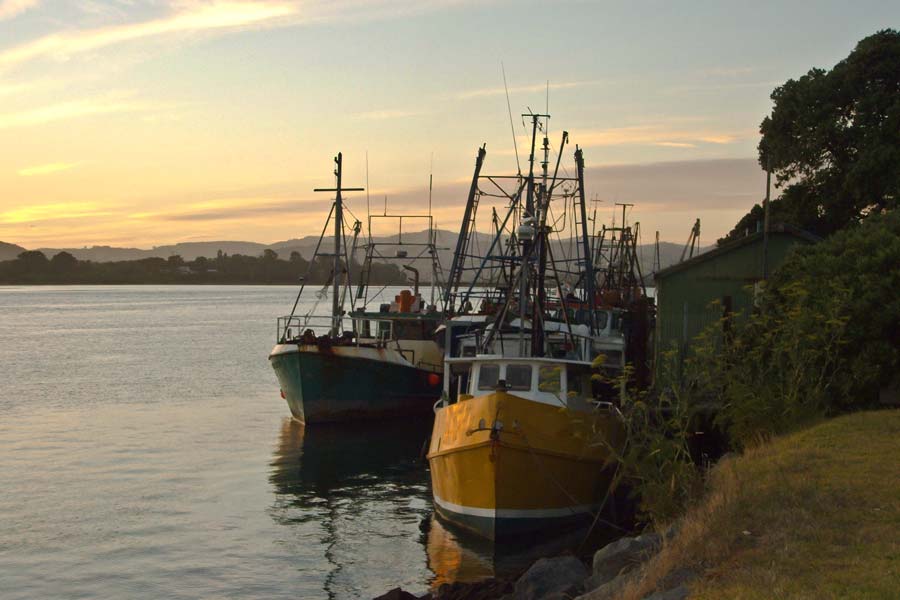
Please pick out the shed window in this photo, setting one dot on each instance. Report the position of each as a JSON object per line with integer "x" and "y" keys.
{"x": 488, "y": 376}
{"x": 549, "y": 379}
{"x": 518, "y": 377}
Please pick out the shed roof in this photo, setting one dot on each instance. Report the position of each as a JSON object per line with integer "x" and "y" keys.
{"x": 734, "y": 245}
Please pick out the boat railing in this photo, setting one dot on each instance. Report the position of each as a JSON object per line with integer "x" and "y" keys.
{"x": 293, "y": 327}
{"x": 361, "y": 330}
{"x": 559, "y": 343}
{"x": 427, "y": 366}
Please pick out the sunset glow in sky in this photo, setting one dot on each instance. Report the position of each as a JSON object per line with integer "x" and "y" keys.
{"x": 136, "y": 123}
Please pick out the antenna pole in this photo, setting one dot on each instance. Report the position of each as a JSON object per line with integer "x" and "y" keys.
{"x": 336, "y": 315}
{"x": 512, "y": 127}
{"x": 766, "y": 220}
{"x": 588, "y": 258}
{"x": 656, "y": 264}
{"x": 338, "y": 234}
{"x": 368, "y": 208}
{"x": 430, "y": 184}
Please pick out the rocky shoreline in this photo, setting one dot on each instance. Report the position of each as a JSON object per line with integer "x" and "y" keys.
{"x": 613, "y": 568}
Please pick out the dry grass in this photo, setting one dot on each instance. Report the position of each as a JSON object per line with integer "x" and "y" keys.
{"x": 815, "y": 514}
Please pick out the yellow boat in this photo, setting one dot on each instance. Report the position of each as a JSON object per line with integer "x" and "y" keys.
{"x": 525, "y": 446}
{"x": 521, "y": 441}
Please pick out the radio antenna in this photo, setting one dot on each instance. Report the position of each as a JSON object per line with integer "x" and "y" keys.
{"x": 512, "y": 127}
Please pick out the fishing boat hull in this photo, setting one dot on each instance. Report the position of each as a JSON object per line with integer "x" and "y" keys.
{"x": 351, "y": 383}
{"x": 545, "y": 468}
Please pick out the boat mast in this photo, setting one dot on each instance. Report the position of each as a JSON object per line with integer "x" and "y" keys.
{"x": 527, "y": 240}
{"x": 466, "y": 231}
{"x": 338, "y": 234}
{"x": 585, "y": 240}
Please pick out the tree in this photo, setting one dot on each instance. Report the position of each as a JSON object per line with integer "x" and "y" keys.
{"x": 861, "y": 264}
{"x": 201, "y": 264}
{"x": 833, "y": 139}
{"x": 63, "y": 260}
{"x": 32, "y": 259}
{"x": 175, "y": 261}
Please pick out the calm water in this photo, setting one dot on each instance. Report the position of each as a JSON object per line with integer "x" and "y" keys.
{"x": 145, "y": 452}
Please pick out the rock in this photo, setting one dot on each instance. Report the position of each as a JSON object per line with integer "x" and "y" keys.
{"x": 679, "y": 593}
{"x": 397, "y": 594}
{"x": 593, "y": 582}
{"x": 609, "y": 590}
{"x": 623, "y": 555}
{"x": 489, "y": 589}
{"x": 548, "y": 576}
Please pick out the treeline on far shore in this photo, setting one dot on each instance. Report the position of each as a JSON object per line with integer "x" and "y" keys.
{"x": 33, "y": 267}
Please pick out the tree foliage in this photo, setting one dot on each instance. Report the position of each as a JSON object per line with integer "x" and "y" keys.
{"x": 833, "y": 141}
{"x": 823, "y": 339}
{"x": 862, "y": 266}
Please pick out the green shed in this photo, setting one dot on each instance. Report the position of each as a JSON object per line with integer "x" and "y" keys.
{"x": 728, "y": 273}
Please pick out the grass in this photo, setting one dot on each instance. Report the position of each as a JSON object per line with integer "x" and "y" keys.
{"x": 814, "y": 514}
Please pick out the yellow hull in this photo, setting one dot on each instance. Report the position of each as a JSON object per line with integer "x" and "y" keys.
{"x": 540, "y": 466}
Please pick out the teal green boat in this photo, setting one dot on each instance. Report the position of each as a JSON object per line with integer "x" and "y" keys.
{"x": 363, "y": 364}
{"x": 361, "y": 377}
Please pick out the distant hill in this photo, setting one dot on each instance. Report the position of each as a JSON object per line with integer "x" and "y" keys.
{"x": 10, "y": 251}
{"x": 670, "y": 253}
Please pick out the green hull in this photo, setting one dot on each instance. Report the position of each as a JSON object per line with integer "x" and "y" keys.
{"x": 336, "y": 385}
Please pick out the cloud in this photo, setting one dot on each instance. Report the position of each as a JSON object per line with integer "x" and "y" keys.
{"x": 218, "y": 15}
{"x": 719, "y": 86}
{"x": 48, "y": 168}
{"x": 382, "y": 115}
{"x": 50, "y": 212}
{"x": 73, "y": 109}
{"x": 523, "y": 89}
{"x": 719, "y": 139}
{"x": 657, "y": 135}
{"x": 668, "y": 197}
{"x": 728, "y": 71}
{"x": 689, "y": 185}
{"x": 223, "y": 209}
{"x": 13, "y": 8}
{"x": 675, "y": 145}
{"x": 9, "y": 89}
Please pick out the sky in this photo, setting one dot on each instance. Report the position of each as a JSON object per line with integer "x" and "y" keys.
{"x": 139, "y": 123}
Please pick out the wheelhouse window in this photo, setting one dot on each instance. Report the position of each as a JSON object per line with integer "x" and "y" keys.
{"x": 578, "y": 383}
{"x": 518, "y": 377}
{"x": 365, "y": 330}
{"x": 488, "y": 376}
{"x": 549, "y": 379}
{"x": 408, "y": 329}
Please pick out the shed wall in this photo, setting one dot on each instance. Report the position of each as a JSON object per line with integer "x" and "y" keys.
{"x": 684, "y": 297}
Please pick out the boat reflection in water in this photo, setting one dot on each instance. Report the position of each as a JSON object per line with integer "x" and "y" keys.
{"x": 327, "y": 460}
{"x": 458, "y": 555}
{"x": 352, "y": 498}
{"x": 356, "y": 501}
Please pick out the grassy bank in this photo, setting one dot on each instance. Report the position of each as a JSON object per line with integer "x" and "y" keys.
{"x": 814, "y": 514}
